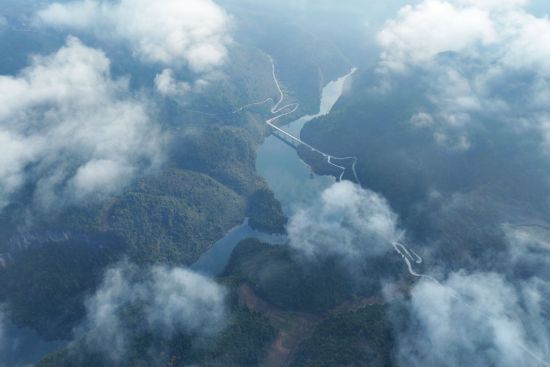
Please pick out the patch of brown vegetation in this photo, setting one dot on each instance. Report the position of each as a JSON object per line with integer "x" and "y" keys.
{"x": 294, "y": 327}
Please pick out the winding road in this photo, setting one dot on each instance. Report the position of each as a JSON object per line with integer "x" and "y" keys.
{"x": 291, "y": 108}
{"x": 408, "y": 255}
{"x": 279, "y": 111}
{"x": 282, "y": 111}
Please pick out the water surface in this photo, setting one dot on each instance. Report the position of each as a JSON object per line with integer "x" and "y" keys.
{"x": 292, "y": 181}
{"x": 288, "y": 176}
{"x": 23, "y": 347}
{"x": 214, "y": 261}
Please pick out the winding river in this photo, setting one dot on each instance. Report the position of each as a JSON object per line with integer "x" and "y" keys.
{"x": 23, "y": 347}
{"x": 292, "y": 181}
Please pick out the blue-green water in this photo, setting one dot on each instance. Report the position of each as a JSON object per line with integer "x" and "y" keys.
{"x": 213, "y": 261}
{"x": 292, "y": 181}
{"x": 287, "y": 175}
{"x": 23, "y": 347}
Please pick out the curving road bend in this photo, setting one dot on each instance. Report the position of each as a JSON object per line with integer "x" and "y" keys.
{"x": 291, "y": 108}
{"x": 410, "y": 257}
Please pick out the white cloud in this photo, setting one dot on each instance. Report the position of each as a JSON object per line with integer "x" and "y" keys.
{"x": 494, "y": 4}
{"x": 16, "y": 153}
{"x": 95, "y": 175}
{"x": 168, "y": 86}
{"x": 420, "y": 32}
{"x": 476, "y": 320}
{"x": 468, "y": 27}
{"x": 347, "y": 221}
{"x": 3, "y": 22}
{"x": 106, "y": 331}
{"x": 185, "y": 300}
{"x": 71, "y": 130}
{"x": 528, "y": 247}
{"x": 167, "y": 300}
{"x": 170, "y": 32}
{"x": 495, "y": 45}
{"x": 525, "y": 45}
{"x": 422, "y": 119}
{"x": 456, "y": 99}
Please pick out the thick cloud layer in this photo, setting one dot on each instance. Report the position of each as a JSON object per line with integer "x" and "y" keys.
{"x": 477, "y": 320}
{"x": 421, "y": 32}
{"x": 69, "y": 130}
{"x": 347, "y": 221}
{"x": 483, "y": 60}
{"x": 170, "y": 32}
{"x": 165, "y": 301}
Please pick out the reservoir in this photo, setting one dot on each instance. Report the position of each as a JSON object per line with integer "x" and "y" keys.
{"x": 291, "y": 180}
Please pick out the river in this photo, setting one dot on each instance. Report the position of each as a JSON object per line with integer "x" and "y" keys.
{"x": 288, "y": 176}
{"x": 213, "y": 261}
{"x": 23, "y": 347}
{"x": 292, "y": 181}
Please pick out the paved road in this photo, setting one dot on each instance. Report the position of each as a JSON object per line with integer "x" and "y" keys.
{"x": 291, "y": 108}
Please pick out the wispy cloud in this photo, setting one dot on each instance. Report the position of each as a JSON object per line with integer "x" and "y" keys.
{"x": 484, "y": 93}
{"x": 165, "y": 301}
{"x": 70, "y": 130}
{"x": 477, "y": 319}
{"x": 470, "y": 54}
{"x": 3, "y": 22}
{"x": 170, "y": 32}
{"x": 420, "y": 32}
{"x": 347, "y": 221}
